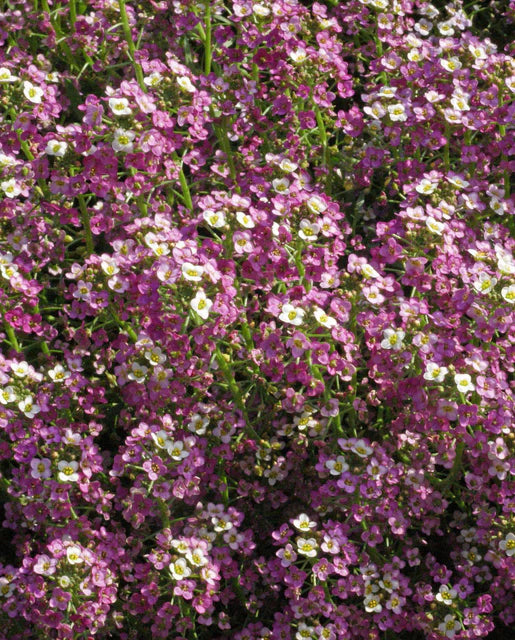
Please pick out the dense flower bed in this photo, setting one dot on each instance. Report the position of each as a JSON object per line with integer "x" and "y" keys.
{"x": 257, "y": 288}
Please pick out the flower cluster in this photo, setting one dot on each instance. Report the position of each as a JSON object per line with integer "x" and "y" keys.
{"x": 257, "y": 286}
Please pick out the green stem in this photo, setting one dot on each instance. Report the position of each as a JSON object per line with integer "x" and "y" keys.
{"x": 186, "y": 195}
{"x": 11, "y": 336}
{"x": 323, "y": 133}
{"x": 165, "y": 513}
{"x": 84, "y": 216}
{"x": 130, "y": 43}
{"x": 208, "y": 56}
{"x": 235, "y": 392}
{"x": 73, "y": 13}
{"x": 456, "y": 467}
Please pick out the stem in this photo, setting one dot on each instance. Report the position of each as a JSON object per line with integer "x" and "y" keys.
{"x": 11, "y": 336}
{"x": 323, "y": 133}
{"x": 186, "y": 195}
{"x": 236, "y": 393}
{"x": 130, "y": 44}
{"x": 456, "y": 467}
{"x": 73, "y": 13}
{"x": 207, "y": 44}
{"x": 84, "y": 216}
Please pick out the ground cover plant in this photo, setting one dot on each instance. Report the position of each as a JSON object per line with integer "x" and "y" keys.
{"x": 257, "y": 288}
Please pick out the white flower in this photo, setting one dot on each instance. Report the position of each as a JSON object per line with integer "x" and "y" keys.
{"x": 361, "y": 449}
{"x": 298, "y": 55}
{"x": 201, "y": 304}
{"x": 484, "y": 283}
{"x": 303, "y": 523}
{"x": 56, "y": 148}
{"x": 387, "y": 92}
{"x": 6, "y": 587}
{"x": 153, "y": 79}
{"x": 161, "y": 439}
{"x": 20, "y": 369}
{"x": 245, "y": 220}
{"x": 292, "y": 315}
{"x": 323, "y": 318}
{"x": 458, "y": 181}
{"x": 6, "y": 75}
{"x": 185, "y": 84}
{"x": 123, "y": 140}
{"x": 192, "y": 272}
{"x": 64, "y": 582}
{"x": 68, "y": 471}
{"x": 28, "y": 407}
{"x": 316, "y": 205}
{"x": 155, "y": 356}
{"x": 508, "y": 293}
{"x": 281, "y": 185}
{"x": 449, "y": 626}
{"x": 464, "y": 382}
{"x": 138, "y": 372}
{"x": 198, "y": 424}
{"x": 392, "y": 339}
{"x": 435, "y": 225}
{"x": 179, "y": 569}
{"x": 32, "y": 92}
{"x": 260, "y": 10}
{"x": 176, "y": 450}
{"x": 120, "y": 106}
{"x": 397, "y": 112}
{"x": 307, "y": 547}
{"x": 337, "y": 467}
{"x": 372, "y": 604}
{"x": 7, "y": 395}
{"x": 369, "y": 272}
{"x": 215, "y": 219}
{"x": 74, "y": 555}
{"x": 11, "y": 188}
{"x": 508, "y": 544}
{"x": 434, "y": 372}
{"x": 288, "y": 166}
{"x": 58, "y": 373}
{"x": 40, "y": 468}
{"x": 446, "y": 595}
{"x": 452, "y": 64}
{"x": 109, "y": 266}
{"x": 425, "y": 187}
{"x": 308, "y": 230}
{"x": 197, "y": 557}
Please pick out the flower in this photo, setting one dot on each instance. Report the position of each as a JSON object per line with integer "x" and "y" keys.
{"x": 372, "y": 604}
{"x": 176, "y": 450}
{"x": 28, "y": 407}
{"x": 308, "y": 230}
{"x": 40, "y": 468}
{"x": 120, "y": 106}
{"x": 74, "y": 555}
{"x": 337, "y": 467}
{"x": 434, "y": 372}
{"x": 397, "y": 112}
{"x": 303, "y": 522}
{"x": 161, "y": 439}
{"x": 449, "y": 626}
{"x": 435, "y": 225}
{"x": 287, "y": 555}
{"x": 484, "y": 283}
{"x": 179, "y": 569}
{"x": 392, "y": 339}
{"x": 58, "y": 373}
{"x": 138, "y": 372}
{"x": 123, "y": 140}
{"x": 33, "y": 93}
{"x": 323, "y": 318}
{"x": 11, "y": 188}
{"x": 6, "y": 75}
{"x": 201, "y": 305}
{"x": 464, "y": 382}
{"x": 215, "y": 219}
{"x": 7, "y": 395}
{"x": 307, "y": 547}
{"x": 56, "y": 148}
{"x": 192, "y": 272}
{"x": 68, "y": 471}
{"x": 153, "y": 79}
{"x": 298, "y": 55}
{"x": 185, "y": 84}
{"x": 446, "y": 595}
{"x": 316, "y": 205}
{"x": 508, "y": 544}
{"x": 292, "y": 315}
{"x": 508, "y": 293}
